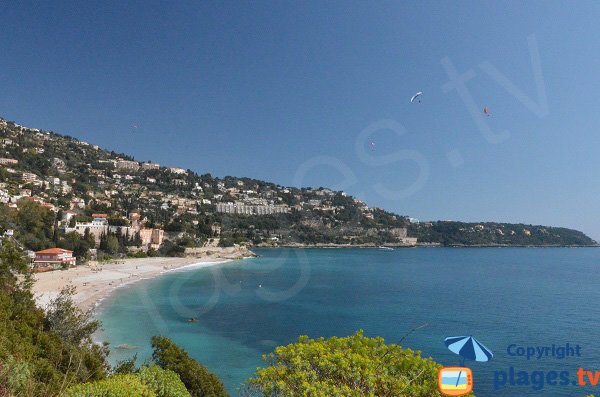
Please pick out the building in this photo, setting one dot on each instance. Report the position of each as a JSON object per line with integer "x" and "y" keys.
{"x": 5, "y": 161}
{"x": 240, "y": 208}
{"x": 128, "y": 165}
{"x": 67, "y": 215}
{"x": 77, "y": 203}
{"x": 50, "y": 206}
{"x": 53, "y": 258}
{"x": 408, "y": 241}
{"x": 152, "y": 238}
{"x": 175, "y": 170}
{"x": 96, "y": 227}
{"x": 150, "y": 166}
{"x": 399, "y": 232}
{"x": 29, "y": 177}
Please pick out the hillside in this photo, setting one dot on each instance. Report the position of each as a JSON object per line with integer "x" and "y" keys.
{"x": 138, "y": 207}
{"x": 449, "y": 233}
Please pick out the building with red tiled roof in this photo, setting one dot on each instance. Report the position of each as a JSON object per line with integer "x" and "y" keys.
{"x": 54, "y": 258}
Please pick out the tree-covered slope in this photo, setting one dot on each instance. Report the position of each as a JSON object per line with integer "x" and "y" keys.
{"x": 74, "y": 175}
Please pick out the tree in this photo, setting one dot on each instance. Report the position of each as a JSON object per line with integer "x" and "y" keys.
{"x": 351, "y": 366}
{"x": 196, "y": 378}
{"x": 109, "y": 243}
{"x": 89, "y": 238}
{"x": 14, "y": 274}
{"x": 66, "y": 320}
{"x": 34, "y": 359}
{"x": 137, "y": 240}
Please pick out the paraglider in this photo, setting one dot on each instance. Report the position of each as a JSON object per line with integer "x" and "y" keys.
{"x": 416, "y": 96}
{"x": 486, "y": 111}
{"x": 372, "y": 146}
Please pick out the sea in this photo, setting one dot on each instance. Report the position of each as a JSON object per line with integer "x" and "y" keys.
{"x": 536, "y": 309}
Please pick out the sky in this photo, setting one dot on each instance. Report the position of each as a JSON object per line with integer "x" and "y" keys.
{"x": 317, "y": 94}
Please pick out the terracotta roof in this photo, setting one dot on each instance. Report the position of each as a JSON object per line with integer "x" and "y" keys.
{"x": 53, "y": 251}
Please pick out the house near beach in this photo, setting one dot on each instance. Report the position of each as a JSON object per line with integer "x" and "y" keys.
{"x": 52, "y": 259}
{"x": 152, "y": 238}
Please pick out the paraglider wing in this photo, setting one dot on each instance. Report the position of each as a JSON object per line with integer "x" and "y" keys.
{"x": 417, "y": 95}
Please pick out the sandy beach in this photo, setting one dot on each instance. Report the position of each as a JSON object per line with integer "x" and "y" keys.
{"x": 92, "y": 284}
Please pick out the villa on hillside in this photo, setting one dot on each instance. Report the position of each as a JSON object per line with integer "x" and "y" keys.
{"x": 52, "y": 259}
{"x": 150, "y": 166}
{"x": 96, "y": 227}
{"x": 127, "y": 165}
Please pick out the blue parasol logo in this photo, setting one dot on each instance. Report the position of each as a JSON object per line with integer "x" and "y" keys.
{"x": 468, "y": 348}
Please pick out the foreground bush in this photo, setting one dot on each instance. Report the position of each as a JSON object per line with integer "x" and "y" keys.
{"x": 41, "y": 354}
{"x": 196, "y": 378}
{"x": 148, "y": 382}
{"x": 352, "y": 366}
{"x": 116, "y": 386}
{"x": 163, "y": 382}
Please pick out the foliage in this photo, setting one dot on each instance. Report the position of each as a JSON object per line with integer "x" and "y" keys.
{"x": 80, "y": 245}
{"x": 164, "y": 382}
{"x": 148, "y": 382}
{"x": 351, "y": 366}
{"x": 66, "y": 320}
{"x": 14, "y": 275}
{"x": 169, "y": 248}
{"x": 116, "y": 386}
{"x": 197, "y": 379}
{"x": 16, "y": 375}
{"x": 126, "y": 366}
{"x": 490, "y": 233}
{"x": 35, "y": 359}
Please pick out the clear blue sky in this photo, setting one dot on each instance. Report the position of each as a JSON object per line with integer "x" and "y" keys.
{"x": 266, "y": 89}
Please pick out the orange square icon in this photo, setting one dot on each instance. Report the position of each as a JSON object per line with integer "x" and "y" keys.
{"x": 455, "y": 381}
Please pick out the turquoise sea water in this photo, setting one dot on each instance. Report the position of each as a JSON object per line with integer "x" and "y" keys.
{"x": 522, "y": 296}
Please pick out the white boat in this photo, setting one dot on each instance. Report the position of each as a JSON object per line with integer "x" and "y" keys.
{"x": 385, "y": 248}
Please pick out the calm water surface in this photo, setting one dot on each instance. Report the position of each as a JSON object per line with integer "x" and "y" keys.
{"x": 521, "y": 296}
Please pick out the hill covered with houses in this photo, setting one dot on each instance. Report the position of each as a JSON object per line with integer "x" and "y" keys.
{"x": 58, "y": 191}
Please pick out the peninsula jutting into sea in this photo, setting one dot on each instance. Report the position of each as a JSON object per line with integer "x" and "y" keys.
{"x": 67, "y": 201}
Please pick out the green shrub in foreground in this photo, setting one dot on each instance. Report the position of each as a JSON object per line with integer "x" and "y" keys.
{"x": 352, "y": 366}
{"x": 148, "y": 382}
{"x": 164, "y": 382}
{"x": 116, "y": 386}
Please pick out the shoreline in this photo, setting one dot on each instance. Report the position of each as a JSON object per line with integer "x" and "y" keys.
{"x": 418, "y": 245}
{"x": 94, "y": 286}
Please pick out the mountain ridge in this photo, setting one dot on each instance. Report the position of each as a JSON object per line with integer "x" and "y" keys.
{"x": 77, "y": 180}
